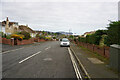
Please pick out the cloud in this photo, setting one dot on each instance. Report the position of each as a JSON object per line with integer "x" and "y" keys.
{"x": 60, "y": 16}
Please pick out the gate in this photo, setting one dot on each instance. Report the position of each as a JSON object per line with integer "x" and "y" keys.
{"x": 15, "y": 41}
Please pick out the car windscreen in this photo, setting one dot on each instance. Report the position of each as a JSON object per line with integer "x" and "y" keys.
{"x": 65, "y": 40}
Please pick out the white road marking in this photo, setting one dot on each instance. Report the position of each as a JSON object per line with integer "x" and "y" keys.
{"x": 78, "y": 74}
{"x": 47, "y": 48}
{"x": 81, "y": 65}
{"x": 13, "y": 50}
{"x": 95, "y": 61}
{"x": 47, "y": 59}
{"x": 29, "y": 57}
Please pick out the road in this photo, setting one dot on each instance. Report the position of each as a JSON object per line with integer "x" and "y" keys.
{"x": 40, "y": 60}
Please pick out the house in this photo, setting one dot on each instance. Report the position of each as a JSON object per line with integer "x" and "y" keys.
{"x": 13, "y": 27}
{"x": 9, "y": 27}
{"x": 2, "y": 27}
{"x": 27, "y": 29}
{"x": 85, "y": 34}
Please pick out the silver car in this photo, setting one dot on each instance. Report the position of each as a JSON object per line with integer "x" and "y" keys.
{"x": 65, "y": 42}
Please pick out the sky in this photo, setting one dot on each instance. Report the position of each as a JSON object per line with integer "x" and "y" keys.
{"x": 78, "y": 16}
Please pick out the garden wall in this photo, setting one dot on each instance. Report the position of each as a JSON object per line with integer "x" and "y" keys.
{"x": 0, "y": 40}
{"x": 38, "y": 40}
{"x": 103, "y": 51}
{"x": 23, "y": 42}
{"x": 6, "y": 41}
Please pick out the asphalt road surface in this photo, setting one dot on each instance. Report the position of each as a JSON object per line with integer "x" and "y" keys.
{"x": 40, "y": 60}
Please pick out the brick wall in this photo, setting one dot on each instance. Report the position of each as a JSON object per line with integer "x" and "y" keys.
{"x": 0, "y": 40}
{"x": 41, "y": 40}
{"x": 23, "y": 42}
{"x": 6, "y": 41}
{"x": 38, "y": 40}
{"x": 103, "y": 51}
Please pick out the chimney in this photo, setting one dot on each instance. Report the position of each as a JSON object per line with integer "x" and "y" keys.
{"x": 7, "y": 19}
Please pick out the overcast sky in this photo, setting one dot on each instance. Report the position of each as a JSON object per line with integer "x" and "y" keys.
{"x": 55, "y": 15}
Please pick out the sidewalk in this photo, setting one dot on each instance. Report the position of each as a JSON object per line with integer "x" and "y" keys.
{"x": 6, "y": 47}
{"x": 94, "y": 67}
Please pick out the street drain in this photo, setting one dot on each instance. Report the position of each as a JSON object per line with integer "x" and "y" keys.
{"x": 47, "y": 59}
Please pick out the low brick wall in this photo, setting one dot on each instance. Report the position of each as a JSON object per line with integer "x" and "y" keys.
{"x": 35, "y": 39}
{"x": 39, "y": 40}
{"x": 0, "y": 40}
{"x": 6, "y": 41}
{"x": 23, "y": 42}
{"x": 103, "y": 51}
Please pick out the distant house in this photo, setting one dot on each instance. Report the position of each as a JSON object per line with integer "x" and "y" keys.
{"x": 27, "y": 29}
{"x": 9, "y": 27}
{"x": 13, "y": 27}
{"x": 87, "y": 33}
{"x": 2, "y": 27}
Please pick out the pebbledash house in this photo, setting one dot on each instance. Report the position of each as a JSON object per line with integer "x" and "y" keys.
{"x": 13, "y": 27}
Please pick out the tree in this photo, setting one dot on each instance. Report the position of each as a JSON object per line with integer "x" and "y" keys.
{"x": 114, "y": 33}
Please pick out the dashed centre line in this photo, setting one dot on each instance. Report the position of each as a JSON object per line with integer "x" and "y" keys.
{"x": 29, "y": 57}
{"x": 12, "y": 50}
{"x": 47, "y": 48}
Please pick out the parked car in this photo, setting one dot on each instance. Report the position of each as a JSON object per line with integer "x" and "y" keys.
{"x": 65, "y": 42}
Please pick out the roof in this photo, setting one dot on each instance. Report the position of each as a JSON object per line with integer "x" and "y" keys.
{"x": 26, "y": 28}
{"x": 3, "y": 23}
{"x": 10, "y": 23}
{"x": 38, "y": 31}
{"x": 90, "y": 32}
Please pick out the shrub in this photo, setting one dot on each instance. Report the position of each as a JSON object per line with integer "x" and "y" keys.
{"x": 19, "y": 37}
{"x": 26, "y": 35}
{"x": 48, "y": 38}
{"x": 93, "y": 38}
{"x": 54, "y": 37}
{"x": 8, "y": 36}
{"x": 42, "y": 37}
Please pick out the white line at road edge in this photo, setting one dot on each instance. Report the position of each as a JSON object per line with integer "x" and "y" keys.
{"x": 13, "y": 50}
{"x": 29, "y": 57}
{"x": 81, "y": 64}
{"x": 78, "y": 74}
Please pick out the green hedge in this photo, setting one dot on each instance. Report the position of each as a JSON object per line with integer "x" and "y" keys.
{"x": 93, "y": 38}
{"x": 112, "y": 35}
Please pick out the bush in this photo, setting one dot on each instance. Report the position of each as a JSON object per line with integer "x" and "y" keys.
{"x": 54, "y": 37}
{"x": 48, "y": 38}
{"x": 19, "y": 37}
{"x": 81, "y": 39}
{"x": 42, "y": 37}
{"x": 93, "y": 38}
{"x": 106, "y": 40}
{"x": 26, "y": 35}
{"x": 8, "y": 36}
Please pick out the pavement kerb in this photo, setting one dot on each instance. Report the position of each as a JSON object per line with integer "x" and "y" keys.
{"x": 79, "y": 62}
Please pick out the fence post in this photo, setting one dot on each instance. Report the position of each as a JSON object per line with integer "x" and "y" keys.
{"x": 93, "y": 46}
{"x": 104, "y": 51}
